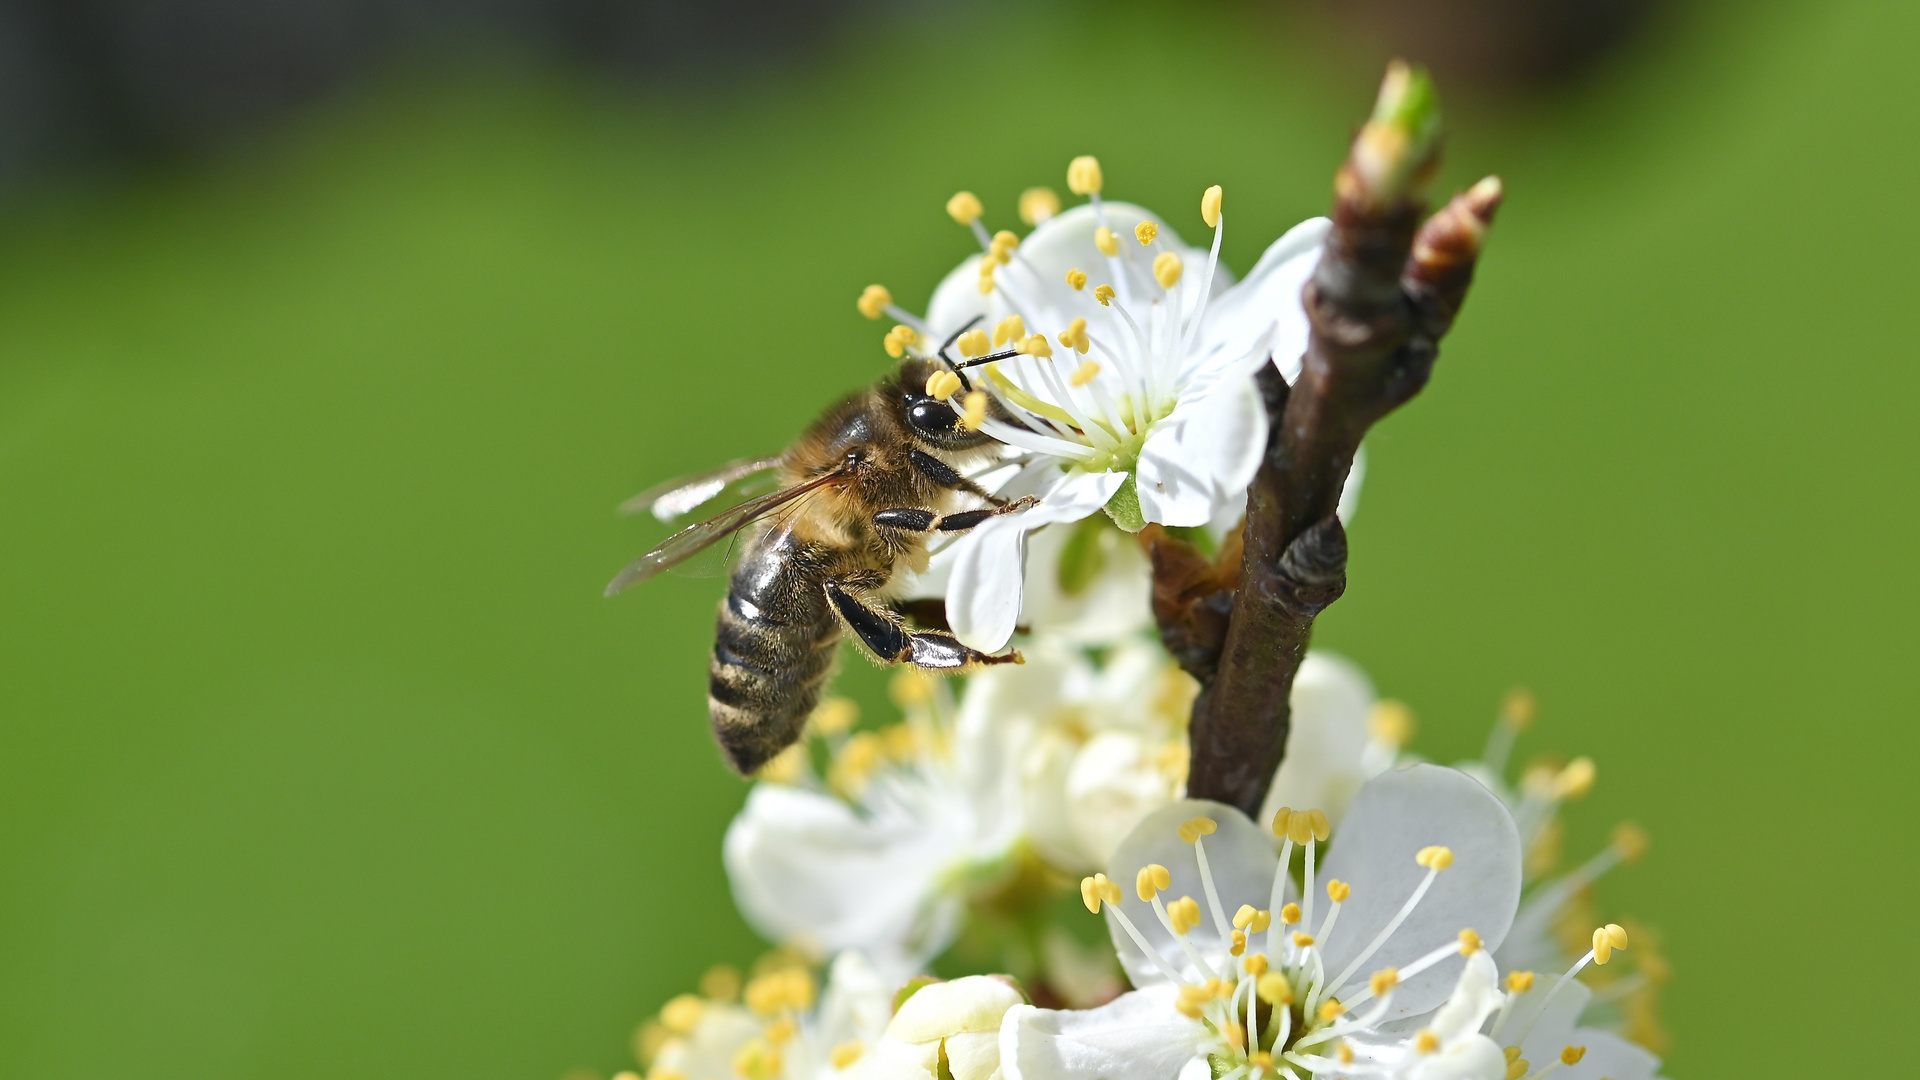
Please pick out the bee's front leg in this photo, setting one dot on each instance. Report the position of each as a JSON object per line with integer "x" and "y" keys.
{"x": 948, "y": 477}
{"x": 912, "y": 519}
{"x": 881, "y": 632}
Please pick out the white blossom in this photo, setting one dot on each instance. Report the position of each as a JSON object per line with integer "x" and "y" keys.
{"x": 780, "y": 1030}
{"x": 1394, "y": 977}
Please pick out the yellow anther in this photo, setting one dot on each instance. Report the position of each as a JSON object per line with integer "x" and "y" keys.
{"x": 834, "y": 716}
{"x": 975, "y": 414}
{"x": 1274, "y": 989}
{"x": 1083, "y": 175}
{"x": 1011, "y": 328}
{"x": 1075, "y": 337}
{"x": 1166, "y": 269}
{"x": 1575, "y": 780}
{"x": 1256, "y": 964}
{"x": 1289, "y": 914}
{"x": 1261, "y": 920}
{"x": 1145, "y": 232}
{"x": 1187, "y": 1008}
{"x": 1519, "y": 982}
{"x": 854, "y": 763}
{"x": 1426, "y": 1042}
{"x": 1470, "y": 942}
{"x": 1104, "y": 294}
{"x": 1383, "y": 981}
{"x": 874, "y": 300}
{"x": 1236, "y": 1035}
{"x": 1338, "y": 891}
{"x": 1090, "y": 895}
{"x": 1344, "y": 1052}
{"x": 1281, "y": 818}
{"x": 846, "y": 1053}
{"x": 1629, "y": 841}
{"x": 1602, "y": 945}
{"x": 1200, "y": 991}
{"x": 682, "y": 1013}
{"x": 1239, "y": 943}
{"x": 1222, "y": 988}
{"x": 897, "y": 340}
{"x": 1260, "y": 1059}
{"x": 1036, "y": 345}
{"x": 1192, "y": 829}
{"x": 1109, "y": 888}
{"x": 1104, "y": 239}
{"x": 986, "y": 277}
{"x": 1302, "y": 939}
{"x": 1518, "y": 1067}
{"x": 1390, "y": 722}
{"x": 965, "y": 207}
{"x": 1616, "y": 934}
{"x": 1150, "y": 880}
{"x": 781, "y": 1030}
{"x": 1244, "y": 917}
{"x": 1300, "y": 827}
{"x": 1077, "y": 278}
{"x": 1037, "y": 204}
{"x": 1435, "y": 857}
{"x": 1322, "y": 828}
{"x": 1210, "y": 206}
{"x": 1519, "y": 709}
{"x": 1005, "y": 240}
{"x": 1185, "y": 913}
{"x": 1331, "y": 1009}
{"x": 755, "y": 1060}
{"x": 1084, "y": 374}
{"x": 973, "y": 343}
{"x": 901, "y": 741}
{"x": 1512, "y": 1054}
{"x": 1571, "y": 1055}
{"x": 721, "y": 983}
{"x": 942, "y": 385}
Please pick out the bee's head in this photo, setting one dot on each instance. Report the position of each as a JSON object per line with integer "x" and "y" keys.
{"x": 929, "y": 418}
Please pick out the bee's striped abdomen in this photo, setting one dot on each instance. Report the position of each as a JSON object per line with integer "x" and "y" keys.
{"x": 773, "y": 647}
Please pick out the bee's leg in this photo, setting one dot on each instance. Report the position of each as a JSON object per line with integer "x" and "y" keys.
{"x": 881, "y": 632}
{"x": 911, "y": 519}
{"x": 948, "y": 477}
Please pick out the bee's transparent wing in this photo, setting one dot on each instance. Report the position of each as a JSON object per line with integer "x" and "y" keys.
{"x": 676, "y": 498}
{"x": 696, "y": 538}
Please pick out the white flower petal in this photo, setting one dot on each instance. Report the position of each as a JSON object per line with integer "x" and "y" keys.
{"x": 1203, "y": 454}
{"x": 1327, "y": 741}
{"x": 1136, "y": 1036}
{"x": 857, "y": 1003}
{"x": 1114, "y": 606}
{"x": 1474, "y": 998}
{"x": 1475, "y": 1057}
{"x": 808, "y": 869}
{"x": 1113, "y": 783}
{"x": 1238, "y": 854}
{"x": 1609, "y": 1056}
{"x": 1395, "y": 815}
{"x": 943, "y": 1009}
{"x": 1268, "y": 301}
{"x": 989, "y": 570}
{"x": 1547, "y": 1031}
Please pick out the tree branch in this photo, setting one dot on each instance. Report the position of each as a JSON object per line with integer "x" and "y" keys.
{"x": 1385, "y": 291}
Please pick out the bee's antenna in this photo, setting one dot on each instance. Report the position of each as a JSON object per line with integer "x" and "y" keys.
{"x": 955, "y": 336}
{"x": 978, "y": 360}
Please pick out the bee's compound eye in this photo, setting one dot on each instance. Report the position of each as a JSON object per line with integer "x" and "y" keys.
{"x": 856, "y": 455}
{"x": 931, "y": 416}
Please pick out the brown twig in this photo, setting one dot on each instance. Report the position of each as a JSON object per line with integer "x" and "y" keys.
{"x": 1387, "y": 288}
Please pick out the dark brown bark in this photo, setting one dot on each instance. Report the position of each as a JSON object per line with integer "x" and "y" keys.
{"x": 1386, "y": 290}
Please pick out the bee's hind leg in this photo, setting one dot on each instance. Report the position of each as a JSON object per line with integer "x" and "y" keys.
{"x": 884, "y": 636}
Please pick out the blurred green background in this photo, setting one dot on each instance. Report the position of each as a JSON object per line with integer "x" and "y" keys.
{"x": 324, "y": 757}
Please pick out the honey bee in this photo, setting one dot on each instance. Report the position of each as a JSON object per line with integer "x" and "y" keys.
{"x": 861, "y": 492}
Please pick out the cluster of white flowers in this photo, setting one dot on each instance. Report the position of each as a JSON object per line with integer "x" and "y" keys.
{"x": 1391, "y": 928}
